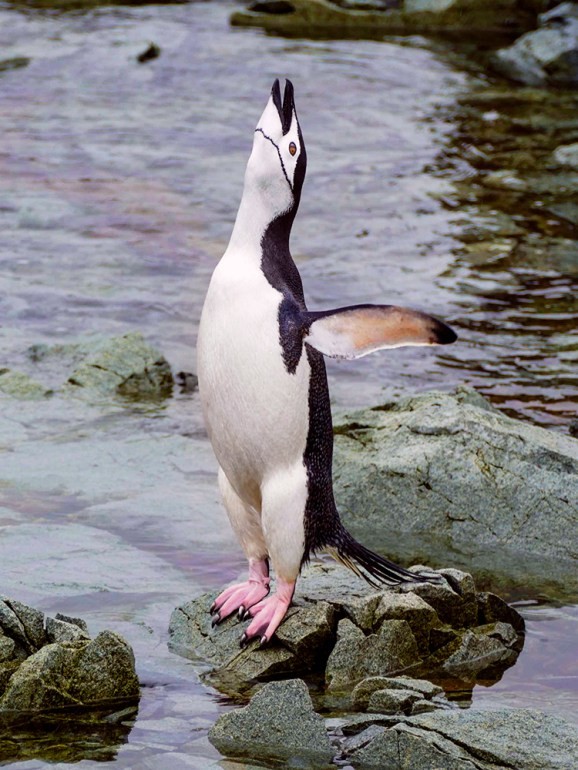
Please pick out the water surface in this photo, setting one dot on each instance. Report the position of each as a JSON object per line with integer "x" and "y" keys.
{"x": 120, "y": 183}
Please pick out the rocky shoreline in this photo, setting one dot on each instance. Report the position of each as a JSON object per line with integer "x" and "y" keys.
{"x": 545, "y": 55}
{"x": 378, "y": 672}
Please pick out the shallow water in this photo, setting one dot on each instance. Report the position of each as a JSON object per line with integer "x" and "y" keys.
{"x": 120, "y": 182}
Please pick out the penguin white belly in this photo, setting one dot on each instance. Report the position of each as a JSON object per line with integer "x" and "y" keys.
{"x": 257, "y": 414}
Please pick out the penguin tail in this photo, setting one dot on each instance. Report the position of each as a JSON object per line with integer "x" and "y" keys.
{"x": 372, "y": 567}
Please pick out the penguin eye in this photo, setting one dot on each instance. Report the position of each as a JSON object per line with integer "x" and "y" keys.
{"x": 292, "y": 148}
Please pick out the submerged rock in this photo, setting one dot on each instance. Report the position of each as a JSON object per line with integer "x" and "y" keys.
{"x": 278, "y": 723}
{"x": 354, "y": 633}
{"x": 125, "y": 365}
{"x": 452, "y": 465}
{"x": 54, "y": 663}
{"x": 471, "y": 740}
{"x": 387, "y": 16}
{"x": 20, "y": 385}
{"x": 548, "y": 55}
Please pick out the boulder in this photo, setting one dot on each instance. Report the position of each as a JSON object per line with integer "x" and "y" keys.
{"x": 451, "y": 465}
{"x": 547, "y": 56}
{"x": 278, "y": 723}
{"x": 125, "y": 366}
{"x": 471, "y": 740}
{"x": 54, "y": 663}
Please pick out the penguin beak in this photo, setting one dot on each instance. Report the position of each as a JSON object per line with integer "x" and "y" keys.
{"x": 286, "y": 107}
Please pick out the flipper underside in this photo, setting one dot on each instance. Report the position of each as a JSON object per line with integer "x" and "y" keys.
{"x": 352, "y": 332}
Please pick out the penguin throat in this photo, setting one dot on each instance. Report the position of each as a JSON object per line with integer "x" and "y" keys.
{"x": 268, "y": 138}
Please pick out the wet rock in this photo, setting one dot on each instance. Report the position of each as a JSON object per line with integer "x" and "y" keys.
{"x": 7, "y": 648}
{"x": 387, "y": 695}
{"x": 187, "y": 382}
{"x": 546, "y": 56}
{"x": 470, "y": 740}
{"x": 125, "y": 366}
{"x": 371, "y": 640}
{"x": 392, "y": 701}
{"x": 476, "y": 651}
{"x": 278, "y": 723}
{"x": 393, "y": 649}
{"x": 55, "y": 664}
{"x": 61, "y": 631}
{"x": 492, "y": 609}
{"x": 566, "y": 155}
{"x": 79, "y": 673}
{"x": 467, "y": 473}
{"x": 301, "y": 644}
{"x": 387, "y": 16}
{"x": 410, "y": 607}
{"x": 20, "y": 385}
{"x": 152, "y": 52}
{"x": 504, "y": 180}
{"x": 363, "y": 691}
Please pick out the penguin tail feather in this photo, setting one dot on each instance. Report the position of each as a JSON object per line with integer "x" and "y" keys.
{"x": 372, "y": 567}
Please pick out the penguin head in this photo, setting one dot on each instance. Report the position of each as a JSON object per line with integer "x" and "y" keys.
{"x": 276, "y": 168}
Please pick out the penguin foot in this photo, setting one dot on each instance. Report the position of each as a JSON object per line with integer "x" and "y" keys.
{"x": 268, "y": 614}
{"x": 242, "y": 596}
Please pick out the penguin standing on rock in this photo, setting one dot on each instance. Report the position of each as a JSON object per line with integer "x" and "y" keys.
{"x": 264, "y": 390}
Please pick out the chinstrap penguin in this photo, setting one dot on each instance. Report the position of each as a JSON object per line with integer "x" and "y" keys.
{"x": 264, "y": 389}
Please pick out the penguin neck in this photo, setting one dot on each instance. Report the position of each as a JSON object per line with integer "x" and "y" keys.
{"x": 260, "y": 240}
{"x": 258, "y": 223}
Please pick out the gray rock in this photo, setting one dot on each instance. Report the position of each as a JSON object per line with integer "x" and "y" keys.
{"x": 7, "y": 648}
{"x": 473, "y": 740}
{"x": 468, "y": 474}
{"x": 423, "y": 706}
{"x": 79, "y": 622}
{"x": 340, "y": 626}
{"x": 493, "y": 609}
{"x": 475, "y": 652}
{"x": 353, "y": 658}
{"x": 520, "y": 738}
{"x": 409, "y": 607}
{"x": 20, "y": 385}
{"x": 392, "y": 701}
{"x": 60, "y": 631}
{"x": 278, "y": 723}
{"x": 566, "y": 155}
{"x": 363, "y": 691}
{"x": 24, "y": 624}
{"x": 125, "y": 366}
{"x": 360, "y": 740}
{"x": 80, "y": 673}
{"x": 301, "y": 644}
{"x": 447, "y": 603}
{"x": 546, "y": 56}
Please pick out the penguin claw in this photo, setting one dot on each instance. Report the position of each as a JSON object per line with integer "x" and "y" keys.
{"x": 246, "y": 615}
{"x": 243, "y": 641}
{"x": 263, "y": 641}
{"x": 216, "y": 620}
{"x": 241, "y": 612}
{"x": 212, "y": 608}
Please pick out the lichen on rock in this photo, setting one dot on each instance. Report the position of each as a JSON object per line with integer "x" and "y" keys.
{"x": 52, "y": 663}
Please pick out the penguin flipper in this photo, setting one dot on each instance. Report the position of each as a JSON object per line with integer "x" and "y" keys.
{"x": 353, "y": 332}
